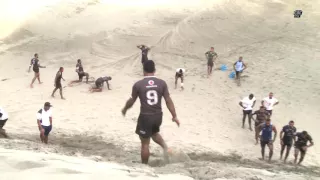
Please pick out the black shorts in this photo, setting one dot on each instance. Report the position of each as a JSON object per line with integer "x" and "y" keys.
{"x": 58, "y": 85}
{"x": 249, "y": 112}
{"x": 287, "y": 142}
{"x": 263, "y": 143}
{"x": 238, "y": 73}
{"x": 81, "y": 75}
{"x": 47, "y": 130}
{"x": 36, "y": 70}
{"x": 2, "y": 123}
{"x": 98, "y": 84}
{"x": 210, "y": 63}
{"x": 300, "y": 148}
{"x": 269, "y": 111}
{"x": 148, "y": 124}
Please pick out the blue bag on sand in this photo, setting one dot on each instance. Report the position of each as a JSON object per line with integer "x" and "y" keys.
{"x": 223, "y": 67}
{"x": 232, "y": 75}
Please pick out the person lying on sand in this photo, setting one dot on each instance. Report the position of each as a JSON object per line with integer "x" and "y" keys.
{"x": 150, "y": 91}
{"x": 57, "y": 83}
{"x": 211, "y": 57}
{"x": 266, "y": 137}
{"x": 81, "y": 73}
{"x": 247, "y": 104}
{"x": 287, "y": 140}
{"x": 261, "y": 116}
{"x": 35, "y": 66}
{"x": 99, "y": 84}
{"x": 301, "y": 145}
{"x": 179, "y": 74}
{"x": 144, "y": 52}
{"x": 44, "y": 120}
{"x": 3, "y": 119}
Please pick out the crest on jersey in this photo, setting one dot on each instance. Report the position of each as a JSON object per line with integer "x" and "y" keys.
{"x": 151, "y": 82}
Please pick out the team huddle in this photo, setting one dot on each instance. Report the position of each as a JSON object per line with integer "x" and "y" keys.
{"x": 150, "y": 91}
{"x": 288, "y": 135}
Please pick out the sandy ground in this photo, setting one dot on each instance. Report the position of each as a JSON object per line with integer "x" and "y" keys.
{"x": 280, "y": 52}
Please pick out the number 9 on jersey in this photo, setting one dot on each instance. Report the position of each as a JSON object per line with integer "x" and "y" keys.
{"x": 152, "y": 97}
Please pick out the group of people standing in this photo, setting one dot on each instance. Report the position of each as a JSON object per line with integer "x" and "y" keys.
{"x": 288, "y": 135}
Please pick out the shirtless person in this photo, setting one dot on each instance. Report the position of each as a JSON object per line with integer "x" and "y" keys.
{"x": 239, "y": 66}
{"x": 57, "y": 83}
{"x": 269, "y": 102}
{"x": 144, "y": 52}
{"x": 261, "y": 116}
{"x": 99, "y": 83}
{"x": 36, "y": 65}
{"x": 301, "y": 145}
{"x": 211, "y": 57}
{"x": 179, "y": 74}
{"x": 150, "y": 91}
{"x": 287, "y": 140}
{"x": 266, "y": 137}
{"x": 81, "y": 73}
{"x": 247, "y": 104}
{"x": 3, "y": 119}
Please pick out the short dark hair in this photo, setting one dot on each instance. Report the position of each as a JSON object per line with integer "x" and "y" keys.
{"x": 60, "y": 68}
{"x": 305, "y": 132}
{"x": 268, "y": 120}
{"x": 35, "y": 54}
{"x": 291, "y": 121}
{"x": 180, "y": 71}
{"x": 251, "y": 95}
{"x": 149, "y": 66}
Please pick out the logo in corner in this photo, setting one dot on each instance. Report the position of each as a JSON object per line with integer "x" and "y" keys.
{"x": 151, "y": 82}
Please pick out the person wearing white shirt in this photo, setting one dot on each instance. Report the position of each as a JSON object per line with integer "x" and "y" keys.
{"x": 3, "y": 119}
{"x": 179, "y": 74}
{"x": 247, "y": 104}
{"x": 269, "y": 103}
{"x": 44, "y": 119}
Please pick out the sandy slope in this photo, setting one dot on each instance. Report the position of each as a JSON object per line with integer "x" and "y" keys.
{"x": 281, "y": 53}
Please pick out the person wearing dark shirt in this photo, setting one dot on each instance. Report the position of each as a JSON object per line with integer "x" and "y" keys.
{"x": 81, "y": 73}
{"x": 266, "y": 130}
{"x": 36, "y": 69}
{"x": 99, "y": 83}
{"x": 261, "y": 116}
{"x": 57, "y": 83}
{"x": 301, "y": 145}
{"x": 287, "y": 136}
{"x": 150, "y": 91}
{"x": 211, "y": 57}
{"x": 144, "y": 52}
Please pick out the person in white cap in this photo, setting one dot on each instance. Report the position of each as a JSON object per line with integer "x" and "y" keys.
{"x": 179, "y": 74}
{"x": 3, "y": 119}
{"x": 269, "y": 103}
{"x": 44, "y": 120}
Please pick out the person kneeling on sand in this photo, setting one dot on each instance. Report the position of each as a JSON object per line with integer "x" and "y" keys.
{"x": 99, "y": 84}
{"x": 179, "y": 74}
{"x": 81, "y": 73}
{"x": 44, "y": 119}
{"x": 3, "y": 119}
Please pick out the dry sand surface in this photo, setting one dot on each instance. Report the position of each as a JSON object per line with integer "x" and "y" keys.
{"x": 281, "y": 53}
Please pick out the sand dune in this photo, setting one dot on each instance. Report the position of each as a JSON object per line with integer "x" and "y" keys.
{"x": 281, "y": 53}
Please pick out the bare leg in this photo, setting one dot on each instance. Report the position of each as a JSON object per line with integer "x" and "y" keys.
{"x": 38, "y": 77}
{"x": 282, "y": 150}
{"x": 250, "y": 117}
{"x": 270, "y": 145}
{"x": 182, "y": 80}
{"x": 263, "y": 147}
{"x": 303, "y": 153}
{"x": 244, "y": 119}
{"x": 61, "y": 93}
{"x": 54, "y": 91}
{"x": 287, "y": 153}
{"x": 45, "y": 139}
{"x": 41, "y": 137}
{"x": 3, "y": 133}
{"x": 296, "y": 153}
{"x": 157, "y": 138}
{"x": 145, "y": 150}
{"x": 87, "y": 78}
{"x": 176, "y": 82}
{"x": 256, "y": 135}
{"x": 211, "y": 70}
{"x": 34, "y": 79}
